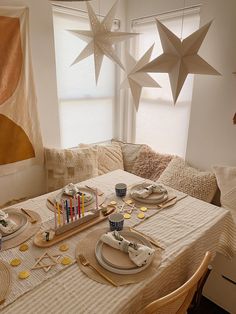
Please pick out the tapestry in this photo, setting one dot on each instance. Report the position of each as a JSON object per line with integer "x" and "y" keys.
{"x": 20, "y": 137}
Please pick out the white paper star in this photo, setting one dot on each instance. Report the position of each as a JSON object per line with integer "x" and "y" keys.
{"x": 180, "y": 57}
{"x": 136, "y": 80}
{"x": 100, "y": 39}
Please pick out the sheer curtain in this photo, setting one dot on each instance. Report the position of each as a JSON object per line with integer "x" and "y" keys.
{"x": 86, "y": 109}
{"x": 160, "y": 123}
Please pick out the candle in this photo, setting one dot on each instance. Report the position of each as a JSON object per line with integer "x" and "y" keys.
{"x": 79, "y": 213}
{"x": 63, "y": 211}
{"x": 82, "y": 205}
{"x": 67, "y": 212}
{"x": 59, "y": 214}
{"x": 55, "y": 216}
{"x": 96, "y": 199}
{"x": 75, "y": 213}
{"x": 71, "y": 209}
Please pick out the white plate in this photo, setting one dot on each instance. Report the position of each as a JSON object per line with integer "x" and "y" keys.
{"x": 21, "y": 221}
{"x": 154, "y": 198}
{"x": 109, "y": 265}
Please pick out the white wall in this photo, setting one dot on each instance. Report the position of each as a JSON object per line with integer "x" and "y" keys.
{"x": 212, "y": 135}
{"x": 31, "y": 181}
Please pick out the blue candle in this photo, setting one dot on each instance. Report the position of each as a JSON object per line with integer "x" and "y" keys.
{"x": 67, "y": 212}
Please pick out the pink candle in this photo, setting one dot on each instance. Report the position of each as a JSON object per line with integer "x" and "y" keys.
{"x": 55, "y": 215}
{"x": 63, "y": 211}
{"x": 79, "y": 212}
{"x": 97, "y": 199}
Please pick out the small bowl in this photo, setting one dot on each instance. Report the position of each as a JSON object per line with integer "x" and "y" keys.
{"x": 121, "y": 189}
{"x": 116, "y": 221}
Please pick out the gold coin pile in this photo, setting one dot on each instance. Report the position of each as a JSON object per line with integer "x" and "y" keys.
{"x": 15, "y": 262}
{"x": 24, "y": 274}
{"x": 64, "y": 247}
{"x": 66, "y": 260}
{"x": 127, "y": 216}
{"x": 23, "y": 247}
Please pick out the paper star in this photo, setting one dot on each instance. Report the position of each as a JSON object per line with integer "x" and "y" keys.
{"x": 100, "y": 39}
{"x": 136, "y": 80}
{"x": 180, "y": 57}
{"x": 46, "y": 261}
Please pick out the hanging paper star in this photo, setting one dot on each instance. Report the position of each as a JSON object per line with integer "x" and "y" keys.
{"x": 136, "y": 80}
{"x": 100, "y": 39}
{"x": 180, "y": 57}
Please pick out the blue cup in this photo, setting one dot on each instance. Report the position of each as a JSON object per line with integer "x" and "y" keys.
{"x": 116, "y": 221}
{"x": 121, "y": 189}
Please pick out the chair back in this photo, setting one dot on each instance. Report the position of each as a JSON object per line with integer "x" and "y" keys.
{"x": 178, "y": 301}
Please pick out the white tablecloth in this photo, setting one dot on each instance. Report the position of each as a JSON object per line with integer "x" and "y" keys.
{"x": 186, "y": 230}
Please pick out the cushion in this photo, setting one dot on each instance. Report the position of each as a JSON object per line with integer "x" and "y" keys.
{"x": 110, "y": 158}
{"x": 130, "y": 152}
{"x": 181, "y": 176}
{"x": 66, "y": 166}
{"x": 150, "y": 164}
{"x": 226, "y": 180}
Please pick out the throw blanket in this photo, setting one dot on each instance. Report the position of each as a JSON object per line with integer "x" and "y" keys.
{"x": 138, "y": 253}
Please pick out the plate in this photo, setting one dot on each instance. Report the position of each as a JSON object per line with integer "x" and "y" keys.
{"x": 90, "y": 193}
{"x": 21, "y": 221}
{"x": 117, "y": 261}
{"x": 154, "y": 198}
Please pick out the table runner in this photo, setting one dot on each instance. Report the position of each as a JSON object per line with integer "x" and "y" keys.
{"x": 213, "y": 230}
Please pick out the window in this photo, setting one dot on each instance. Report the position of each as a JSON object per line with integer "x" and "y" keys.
{"x": 158, "y": 122}
{"x": 85, "y": 109}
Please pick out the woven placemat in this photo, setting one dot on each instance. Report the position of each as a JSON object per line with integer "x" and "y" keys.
{"x": 86, "y": 246}
{"x": 5, "y": 281}
{"x": 29, "y": 231}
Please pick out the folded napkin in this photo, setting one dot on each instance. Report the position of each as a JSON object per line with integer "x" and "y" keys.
{"x": 6, "y": 225}
{"x": 146, "y": 191}
{"x": 72, "y": 190}
{"x": 138, "y": 253}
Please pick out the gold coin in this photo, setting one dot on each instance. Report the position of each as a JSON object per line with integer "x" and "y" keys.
{"x": 64, "y": 247}
{"x": 129, "y": 202}
{"x": 143, "y": 209}
{"x": 141, "y": 215}
{"x": 113, "y": 202}
{"x": 23, "y": 247}
{"x": 24, "y": 274}
{"x": 127, "y": 216}
{"x": 66, "y": 260}
{"x": 15, "y": 262}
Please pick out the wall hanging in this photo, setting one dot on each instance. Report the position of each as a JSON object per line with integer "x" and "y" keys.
{"x": 100, "y": 39}
{"x": 20, "y": 139}
{"x": 135, "y": 80}
{"x": 180, "y": 57}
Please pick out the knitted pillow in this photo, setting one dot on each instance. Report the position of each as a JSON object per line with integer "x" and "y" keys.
{"x": 130, "y": 153}
{"x": 150, "y": 164}
{"x": 226, "y": 180}
{"x": 66, "y": 166}
{"x": 110, "y": 158}
{"x": 180, "y": 176}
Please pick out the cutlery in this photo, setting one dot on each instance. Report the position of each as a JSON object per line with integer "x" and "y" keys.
{"x": 100, "y": 193}
{"x": 155, "y": 243}
{"x": 30, "y": 217}
{"x": 85, "y": 262}
{"x": 167, "y": 202}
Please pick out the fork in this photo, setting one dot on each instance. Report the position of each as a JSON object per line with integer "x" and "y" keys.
{"x": 31, "y": 218}
{"x": 85, "y": 262}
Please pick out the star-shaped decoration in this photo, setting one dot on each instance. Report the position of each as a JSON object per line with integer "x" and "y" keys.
{"x": 135, "y": 80}
{"x": 180, "y": 57}
{"x": 46, "y": 261}
{"x": 100, "y": 39}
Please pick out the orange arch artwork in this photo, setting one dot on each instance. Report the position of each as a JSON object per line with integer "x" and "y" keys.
{"x": 14, "y": 143}
{"x": 10, "y": 56}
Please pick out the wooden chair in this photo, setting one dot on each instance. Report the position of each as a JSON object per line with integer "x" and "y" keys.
{"x": 178, "y": 301}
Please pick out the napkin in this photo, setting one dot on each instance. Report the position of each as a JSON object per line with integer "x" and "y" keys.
{"x": 6, "y": 225}
{"x": 138, "y": 253}
{"x": 146, "y": 191}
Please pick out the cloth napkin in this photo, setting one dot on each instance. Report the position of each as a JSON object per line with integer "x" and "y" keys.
{"x": 138, "y": 253}
{"x": 6, "y": 225}
{"x": 146, "y": 191}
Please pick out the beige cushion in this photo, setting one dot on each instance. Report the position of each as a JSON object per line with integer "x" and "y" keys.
{"x": 66, "y": 166}
{"x": 226, "y": 180}
{"x": 130, "y": 153}
{"x": 150, "y": 164}
{"x": 110, "y": 158}
{"x": 180, "y": 176}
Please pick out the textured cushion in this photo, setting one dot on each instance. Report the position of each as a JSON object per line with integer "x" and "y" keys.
{"x": 130, "y": 153}
{"x": 180, "y": 176}
{"x": 109, "y": 158}
{"x": 66, "y": 166}
{"x": 150, "y": 164}
{"x": 226, "y": 180}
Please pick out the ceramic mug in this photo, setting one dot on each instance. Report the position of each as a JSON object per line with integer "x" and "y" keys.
{"x": 121, "y": 189}
{"x": 116, "y": 221}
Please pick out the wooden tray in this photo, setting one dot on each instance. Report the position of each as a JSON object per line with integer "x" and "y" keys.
{"x": 38, "y": 239}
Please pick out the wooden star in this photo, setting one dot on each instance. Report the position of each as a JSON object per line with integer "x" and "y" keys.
{"x": 46, "y": 261}
{"x": 136, "y": 80}
{"x": 180, "y": 57}
{"x": 100, "y": 39}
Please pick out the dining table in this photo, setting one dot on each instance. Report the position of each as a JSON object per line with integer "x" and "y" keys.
{"x": 184, "y": 231}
